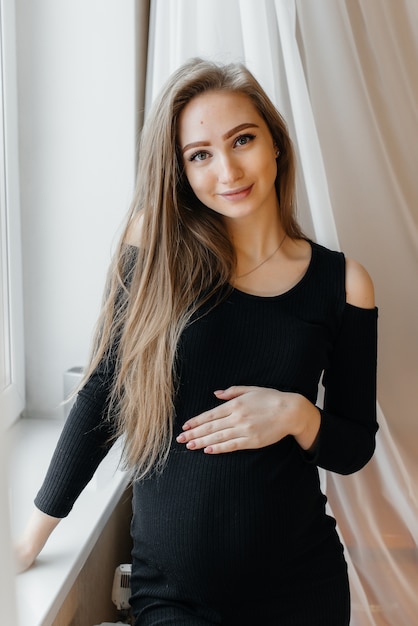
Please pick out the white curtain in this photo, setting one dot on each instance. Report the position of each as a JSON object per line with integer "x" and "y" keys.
{"x": 344, "y": 73}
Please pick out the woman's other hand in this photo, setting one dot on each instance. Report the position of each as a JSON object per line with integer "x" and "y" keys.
{"x": 38, "y": 529}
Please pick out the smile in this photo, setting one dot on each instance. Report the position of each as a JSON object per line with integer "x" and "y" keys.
{"x": 237, "y": 194}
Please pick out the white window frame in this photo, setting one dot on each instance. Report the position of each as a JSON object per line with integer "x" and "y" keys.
{"x": 12, "y": 382}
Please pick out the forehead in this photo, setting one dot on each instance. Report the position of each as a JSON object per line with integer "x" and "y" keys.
{"x": 216, "y": 112}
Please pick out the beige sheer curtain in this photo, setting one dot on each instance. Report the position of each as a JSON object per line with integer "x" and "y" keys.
{"x": 345, "y": 75}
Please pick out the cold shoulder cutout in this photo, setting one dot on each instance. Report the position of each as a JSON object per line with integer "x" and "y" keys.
{"x": 359, "y": 286}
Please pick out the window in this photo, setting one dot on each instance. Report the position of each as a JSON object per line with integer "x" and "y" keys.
{"x": 11, "y": 304}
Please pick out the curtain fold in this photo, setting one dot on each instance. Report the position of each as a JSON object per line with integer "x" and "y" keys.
{"x": 306, "y": 137}
{"x": 344, "y": 75}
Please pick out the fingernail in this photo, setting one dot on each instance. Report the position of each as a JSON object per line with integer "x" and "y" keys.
{"x": 191, "y": 445}
{"x": 181, "y": 438}
{"x": 186, "y": 426}
{"x": 219, "y": 391}
{"x": 208, "y": 450}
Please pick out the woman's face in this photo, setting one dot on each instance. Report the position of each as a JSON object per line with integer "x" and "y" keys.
{"x": 229, "y": 155}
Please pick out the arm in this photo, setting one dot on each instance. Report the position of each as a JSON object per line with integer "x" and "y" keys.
{"x": 38, "y": 529}
{"x": 360, "y": 293}
{"x": 346, "y": 439}
{"x": 84, "y": 441}
{"x": 86, "y": 438}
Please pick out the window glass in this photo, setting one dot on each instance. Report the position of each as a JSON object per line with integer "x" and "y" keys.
{"x": 11, "y": 306}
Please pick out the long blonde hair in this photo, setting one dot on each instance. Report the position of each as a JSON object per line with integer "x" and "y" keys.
{"x": 183, "y": 258}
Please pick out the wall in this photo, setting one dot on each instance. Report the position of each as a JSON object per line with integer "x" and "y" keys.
{"x": 77, "y": 125}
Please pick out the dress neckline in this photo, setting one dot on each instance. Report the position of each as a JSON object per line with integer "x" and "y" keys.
{"x": 288, "y": 292}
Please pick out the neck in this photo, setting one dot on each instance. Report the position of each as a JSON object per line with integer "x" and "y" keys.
{"x": 264, "y": 261}
{"x": 254, "y": 241}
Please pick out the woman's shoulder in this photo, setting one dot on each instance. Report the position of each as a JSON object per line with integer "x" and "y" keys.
{"x": 358, "y": 285}
{"x": 133, "y": 233}
{"x": 359, "y": 288}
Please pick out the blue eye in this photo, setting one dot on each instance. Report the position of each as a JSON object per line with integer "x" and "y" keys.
{"x": 199, "y": 156}
{"x": 243, "y": 140}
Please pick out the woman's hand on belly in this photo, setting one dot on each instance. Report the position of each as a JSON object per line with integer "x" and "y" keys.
{"x": 250, "y": 418}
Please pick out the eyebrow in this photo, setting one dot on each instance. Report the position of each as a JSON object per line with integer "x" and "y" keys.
{"x": 227, "y": 135}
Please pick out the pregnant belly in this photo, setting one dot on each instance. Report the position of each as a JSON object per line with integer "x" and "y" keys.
{"x": 223, "y": 517}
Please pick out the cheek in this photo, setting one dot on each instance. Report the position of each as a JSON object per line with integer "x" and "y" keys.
{"x": 198, "y": 182}
{"x": 270, "y": 169}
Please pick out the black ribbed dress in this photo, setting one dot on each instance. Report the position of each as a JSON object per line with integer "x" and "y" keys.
{"x": 243, "y": 538}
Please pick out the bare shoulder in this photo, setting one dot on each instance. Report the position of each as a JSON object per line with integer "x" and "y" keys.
{"x": 134, "y": 231}
{"x": 358, "y": 285}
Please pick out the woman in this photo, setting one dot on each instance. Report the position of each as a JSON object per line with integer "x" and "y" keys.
{"x": 219, "y": 320}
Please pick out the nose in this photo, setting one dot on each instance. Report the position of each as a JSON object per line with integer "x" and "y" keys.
{"x": 229, "y": 169}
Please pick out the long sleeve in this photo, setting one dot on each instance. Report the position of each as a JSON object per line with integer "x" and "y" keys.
{"x": 84, "y": 442}
{"x": 87, "y": 435}
{"x": 348, "y": 426}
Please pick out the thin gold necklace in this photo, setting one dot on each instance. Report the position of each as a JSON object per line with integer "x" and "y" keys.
{"x": 262, "y": 262}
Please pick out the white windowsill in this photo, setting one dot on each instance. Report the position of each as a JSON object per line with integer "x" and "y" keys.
{"x": 43, "y": 588}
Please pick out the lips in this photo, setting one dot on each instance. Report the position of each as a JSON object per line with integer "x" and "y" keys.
{"x": 237, "y": 194}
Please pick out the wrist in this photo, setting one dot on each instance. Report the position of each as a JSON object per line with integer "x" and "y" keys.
{"x": 307, "y": 423}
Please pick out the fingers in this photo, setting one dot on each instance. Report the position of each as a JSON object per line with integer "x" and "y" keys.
{"x": 221, "y": 411}
{"x": 226, "y": 428}
{"x": 224, "y": 410}
{"x": 221, "y": 441}
{"x": 203, "y": 433}
{"x": 232, "y": 445}
{"x": 232, "y": 392}
{"x": 208, "y": 418}
{"x": 217, "y": 430}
